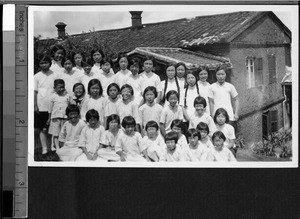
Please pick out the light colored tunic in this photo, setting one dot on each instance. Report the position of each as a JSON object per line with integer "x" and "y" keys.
{"x": 111, "y": 106}
{"x": 225, "y": 155}
{"x": 148, "y": 113}
{"x": 204, "y": 89}
{"x": 109, "y": 152}
{"x": 151, "y": 79}
{"x": 196, "y": 154}
{"x": 70, "y": 78}
{"x": 96, "y": 104}
{"x": 168, "y": 114}
{"x": 107, "y": 79}
{"x": 191, "y": 94}
{"x": 58, "y": 105}
{"x": 136, "y": 83}
{"x": 122, "y": 76}
{"x": 155, "y": 147}
{"x": 176, "y": 156}
{"x": 206, "y": 118}
{"x": 228, "y": 131}
{"x": 129, "y": 109}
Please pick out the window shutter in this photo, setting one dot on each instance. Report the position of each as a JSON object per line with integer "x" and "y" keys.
{"x": 274, "y": 120}
{"x": 258, "y": 71}
{"x": 272, "y": 69}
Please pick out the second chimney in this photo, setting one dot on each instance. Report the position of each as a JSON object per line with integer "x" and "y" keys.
{"x": 136, "y": 19}
{"x": 61, "y": 30}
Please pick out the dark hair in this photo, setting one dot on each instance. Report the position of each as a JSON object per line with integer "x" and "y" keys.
{"x": 121, "y": 55}
{"x": 105, "y": 60}
{"x": 151, "y": 58}
{"x": 166, "y": 84}
{"x": 178, "y": 123}
{"x": 92, "y": 82}
{"x": 111, "y": 118}
{"x": 75, "y": 53}
{"x": 113, "y": 85}
{"x": 129, "y": 87}
{"x": 78, "y": 84}
{"x": 128, "y": 121}
{"x": 55, "y": 48}
{"x": 172, "y": 92}
{"x": 186, "y": 89}
{"x": 135, "y": 62}
{"x": 151, "y": 123}
{"x": 192, "y": 133}
{"x": 222, "y": 67}
{"x": 171, "y": 136}
{"x": 200, "y": 100}
{"x": 72, "y": 108}
{"x": 92, "y": 113}
{"x": 202, "y": 68}
{"x": 221, "y": 111}
{"x": 202, "y": 126}
{"x": 218, "y": 134}
{"x": 181, "y": 64}
{"x": 149, "y": 88}
{"x": 97, "y": 50}
{"x": 58, "y": 81}
{"x": 68, "y": 58}
{"x": 89, "y": 62}
{"x": 45, "y": 58}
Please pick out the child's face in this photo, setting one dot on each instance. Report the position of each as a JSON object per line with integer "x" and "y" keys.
{"x": 218, "y": 143}
{"x": 126, "y": 93}
{"x": 60, "y": 89}
{"x": 176, "y": 129}
{"x": 151, "y": 132}
{"x": 58, "y": 55}
{"x": 134, "y": 69}
{"x": 73, "y": 117}
{"x": 173, "y": 100}
{"x": 106, "y": 67}
{"x": 123, "y": 62}
{"x": 93, "y": 122}
{"x": 180, "y": 71}
{"x": 203, "y": 134}
{"x": 95, "y": 90}
{"x": 113, "y": 92}
{"x": 191, "y": 80}
{"x": 149, "y": 96}
{"x": 221, "y": 76}
{"x": 193, "y": 140}
{"x": 221, "y": 119}
{"x": 203, "y": 75}
{"x": 68, "y": 65}
{"x": 170, "y": 72}
{"x": 148, "y": 65}
{"x": 78, "y": 91}
{"x": 45, "y": 66}
{"x": 113, "y": 125}
{"x": 171, "y": 145}
{"x": 97, "y": 57}
{"x": 199, "y": 109}
{"x": 129, "y": 129}
{"x": 78, "y": 59}
{"x": 87, "y": 69}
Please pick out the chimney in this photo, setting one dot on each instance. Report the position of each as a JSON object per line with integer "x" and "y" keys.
{"x": 61, "y": 30}
{"x": 136, "y": 19}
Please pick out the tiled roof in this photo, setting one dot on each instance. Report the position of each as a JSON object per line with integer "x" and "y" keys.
{"x": 178, "y": 33}
{"x": 176, "y": 55}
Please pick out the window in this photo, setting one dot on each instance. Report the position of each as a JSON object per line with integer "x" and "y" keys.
{"x": 269, "y": 122}
{"x": 254, "y": 68}
{"x": 272, "y": 68}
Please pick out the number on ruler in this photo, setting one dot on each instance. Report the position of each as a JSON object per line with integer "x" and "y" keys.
{"x": 21, "y": 121}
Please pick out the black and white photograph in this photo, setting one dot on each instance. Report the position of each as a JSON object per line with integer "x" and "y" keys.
{"x": 163, "y": 86}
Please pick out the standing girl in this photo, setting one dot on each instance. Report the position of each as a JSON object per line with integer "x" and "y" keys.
{"x": 69, "y": 75}
{"x": 108, "y": 141}
{"x": 78, "y": 96}
{"x": 95, "y": 100}
{"x": 87, "y": 73}
{"x": 204, "y": 86}
{"x": 190, "y": 93}
{"x": 181, "y": 75}
{"x": 58, "y": 54}
{"x": 112, "y": 101}
{"x": 123, "y": 74}
{"x": 78, "y": 59}
{"x": 150, "y": 110}
{"x": 127, "y": 107}
{"x": 43, "y": 87}
{"x": 108, "y": 76}
{"x": 170, "y": 112}
{"x": 171, "y": 83}
{"x": 149, "y": 78}
{"x": 221, "y": 120}
{"x": 97, "y": 55}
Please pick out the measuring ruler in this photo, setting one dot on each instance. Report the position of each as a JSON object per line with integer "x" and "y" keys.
{"x": 21, "y": 112}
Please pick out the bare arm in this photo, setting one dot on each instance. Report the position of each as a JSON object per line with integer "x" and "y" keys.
{"x": 235, "y": 104}
{"x": 36, "y": 109}
{"x": 211, "y": 106}
{"x": 162, "y": 129}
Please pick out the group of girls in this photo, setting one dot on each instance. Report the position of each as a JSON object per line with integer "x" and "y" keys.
{"x": 144, "y": 119}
